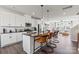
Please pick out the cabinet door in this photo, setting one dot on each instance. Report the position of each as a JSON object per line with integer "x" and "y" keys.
{"x": 4, "y": 40}
{"x": 12, "y": 20}
{"x": 5, "y": 20}
{"x": 19, "y": 37}
{"x": 7, "y": 39}
{"x": 28, "y": 19}
{"x": 22, "y": 20}
{"x": 12, "y": 36}
{"x": 26, "y": 44}
{"x": 0, "y": 20}
{"x": 17, "y": 20}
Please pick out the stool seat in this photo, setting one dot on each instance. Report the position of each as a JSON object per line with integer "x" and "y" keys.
{"x": 41, "y": 39}
{"x": 65, "y": 33}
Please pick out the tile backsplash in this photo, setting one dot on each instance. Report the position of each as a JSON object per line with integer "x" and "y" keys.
{"x": 14, "y": 29}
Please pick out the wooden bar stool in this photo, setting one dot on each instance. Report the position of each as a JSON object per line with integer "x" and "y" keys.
{"x": 65, "y": 34}
{"x": 51, "y": 43}
{"x": 43, "y": 39}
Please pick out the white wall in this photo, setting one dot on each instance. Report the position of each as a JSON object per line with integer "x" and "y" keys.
{"x": 74, "y": 32}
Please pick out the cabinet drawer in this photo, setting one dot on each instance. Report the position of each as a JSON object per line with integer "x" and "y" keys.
{"x": 7, "y": 39}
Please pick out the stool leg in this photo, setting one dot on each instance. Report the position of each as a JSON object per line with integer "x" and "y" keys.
{"x": 41, "y": 45}
{"x": 56, "y": 41}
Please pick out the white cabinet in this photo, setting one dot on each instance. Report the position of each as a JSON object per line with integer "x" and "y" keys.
{"x": 4, "y": 20}
{"x": 18, "y": 20}
{"x": 12, "y": 20}
{"x": 28, "y": 43}
{"x": 4, "y": 38}
{"x": 28, "y": 19}
{"x": 19, "y": 37}
{"x": 22, "y": 20}
{"x": 7, "y": 39}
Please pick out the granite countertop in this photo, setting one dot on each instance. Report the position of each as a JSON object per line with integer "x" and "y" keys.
{"x": 31, "y": 34}
{"x": 17, "y": 32}
{"x": 12, "y": 32}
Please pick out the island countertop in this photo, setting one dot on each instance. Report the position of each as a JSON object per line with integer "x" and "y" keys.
{"x": 33, "y": 34}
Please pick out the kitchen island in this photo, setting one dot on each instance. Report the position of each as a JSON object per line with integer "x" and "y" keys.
{"x": 29, "y": 43}
{"x": 32, "y": 42}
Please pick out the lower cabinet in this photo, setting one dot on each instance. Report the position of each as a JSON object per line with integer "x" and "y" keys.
{"x": 19, "y": 37}
{"x": 7, "y": 39}
{"x": 28, "y": 44}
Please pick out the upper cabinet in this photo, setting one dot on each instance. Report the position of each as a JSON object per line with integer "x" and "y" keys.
{"x": 22, "y": 20}
{"x": 12, "y": 20}
{"x": 4, "y": 20}
{"x": 28, "y": 19}
{"x": 19, "y": 20}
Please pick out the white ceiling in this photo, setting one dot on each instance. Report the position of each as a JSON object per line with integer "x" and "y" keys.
{"x": 35, "y": 10}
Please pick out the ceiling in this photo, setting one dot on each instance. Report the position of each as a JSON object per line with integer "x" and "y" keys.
{"x": 35, "y": 10}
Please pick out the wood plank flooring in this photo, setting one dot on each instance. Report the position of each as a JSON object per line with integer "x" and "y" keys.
{"x": 12, "y": 49}
{"x": 65, "y": 46}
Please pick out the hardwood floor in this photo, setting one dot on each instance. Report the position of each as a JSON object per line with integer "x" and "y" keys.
{"x": 65, "y": 46}
{"x": 12, "y": 49}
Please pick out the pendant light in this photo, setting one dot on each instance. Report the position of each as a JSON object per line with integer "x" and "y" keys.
{"x": 47, "y": 14}
{"x": 42, "y": 19}
{"x": 42, "y": 10}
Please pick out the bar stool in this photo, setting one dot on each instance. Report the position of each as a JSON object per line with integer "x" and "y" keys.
{"x": 55, "y": 37}
{"x": 51, "y": 43}
{"x": 43, "y": 39}
{"x": 65, "y": 34}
